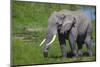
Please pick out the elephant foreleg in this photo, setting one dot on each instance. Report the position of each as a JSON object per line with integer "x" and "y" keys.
{"x": 72, "y": 41}
{"x": 79, "y": 45}
{"x": 62, "y": 44}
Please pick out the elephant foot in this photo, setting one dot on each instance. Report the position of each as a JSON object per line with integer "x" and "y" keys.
{"x": 45, "y": 54}
{"x": 90, "y": 53}
{"x": 75, "y": 54}
{"x": 64, "y": 55}
{"x": 80, "y": 53}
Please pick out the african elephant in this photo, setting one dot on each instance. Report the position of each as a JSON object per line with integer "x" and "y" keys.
{"x": 74, "y": 26}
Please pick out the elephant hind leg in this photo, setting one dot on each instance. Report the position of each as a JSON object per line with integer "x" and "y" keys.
{"x": 79, "y": 45}
{"x": 88, "y": 42}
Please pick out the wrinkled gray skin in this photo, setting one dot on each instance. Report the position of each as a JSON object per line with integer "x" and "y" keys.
{"x": 74, "y": 26}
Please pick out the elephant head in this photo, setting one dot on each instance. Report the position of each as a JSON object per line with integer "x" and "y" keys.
{"x": 58, "y": 21}
{"x": 68, "y": 22}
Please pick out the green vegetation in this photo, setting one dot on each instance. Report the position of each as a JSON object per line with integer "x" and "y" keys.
{"x": 25, "y": 45}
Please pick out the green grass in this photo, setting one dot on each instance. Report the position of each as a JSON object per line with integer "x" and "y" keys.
{"x": 25, "y": 46}
{"x": 29, "y": 52}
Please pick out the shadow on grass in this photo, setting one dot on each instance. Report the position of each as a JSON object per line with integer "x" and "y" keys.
{"x": 69, "y": 55}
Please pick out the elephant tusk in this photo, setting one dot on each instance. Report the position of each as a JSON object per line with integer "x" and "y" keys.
{"x": 52, "y": 40}
{"x": 42, "y": 42}
{"x": 49, "y": 42}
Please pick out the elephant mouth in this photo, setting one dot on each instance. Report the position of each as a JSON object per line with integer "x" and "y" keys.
{"x": 61, "y": 31}
{"x": 59, "y": 26}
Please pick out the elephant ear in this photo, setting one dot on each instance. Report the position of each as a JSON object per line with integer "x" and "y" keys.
{"x": 68, "y": 24}
{"x": 74, "y": 21}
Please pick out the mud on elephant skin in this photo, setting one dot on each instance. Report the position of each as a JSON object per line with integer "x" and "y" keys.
{"x": 74, "y": 26}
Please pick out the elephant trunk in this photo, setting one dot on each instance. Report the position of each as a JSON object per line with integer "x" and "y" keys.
{"x": 49, "y": 42}
{"x": 54, "y": 37}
